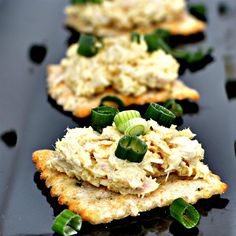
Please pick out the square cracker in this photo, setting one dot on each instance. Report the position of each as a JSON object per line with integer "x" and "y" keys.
{"x": 99, "y": 205}
{"x": 184, "y": 25}
{"x": 82, "y": 106}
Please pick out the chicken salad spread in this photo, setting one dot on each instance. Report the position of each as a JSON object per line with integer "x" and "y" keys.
{"x": 125, "y": 14}
{"x": 89, "y": 156}
{"x": 122, "y": 64}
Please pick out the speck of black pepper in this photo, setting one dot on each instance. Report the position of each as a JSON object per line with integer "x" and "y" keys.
{"x": 37, "y": 53}
{"x": 9, "y": 138}
{"x": 79, "y": 183}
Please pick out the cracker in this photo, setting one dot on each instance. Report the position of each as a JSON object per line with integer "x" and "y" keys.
{"x": 99, "y": 205}
{"x": 82, "y": 106}
{"x": 184, "y": 25}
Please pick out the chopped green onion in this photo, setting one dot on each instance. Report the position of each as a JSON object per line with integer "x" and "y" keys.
{"x": 180, "y": 54}
{"x": 174, "y": 107}
{"x": 131, "y": 148}
{"x": 88, "y": 45}
{"x": 160, "y": 114}
{"x": 136, "y": 126}
{"x": 102, "y": 117}
{"x": 113, "y": 100}
{"x": 122, "y": 117}
{"x": 185, "y": 213}
{"x": 67, "y": 223}
{"x": 198, "y": 10}
{"x": 135, "y": 37}
{"x": 160, "y": 38}
{"x": 163, "y": 34}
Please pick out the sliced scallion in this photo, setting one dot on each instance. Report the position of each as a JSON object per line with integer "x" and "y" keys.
{"x": 113, "y": 100}
{"x": 160, "y": 114}
{"x": 155, "y": 42}
{"x": 67, "y": 223}
{"x": 122, "y": 117}
{"x": 88, "y": 45}
{"x": 131, "y": 148}
{"x": 136, "y": 126}
{"x": 163, "y": 34}
{"x": 135, "y": 37}
{"x": 174, "y": 107}
{"x": 199, "y": 10}
{"x": 184, "y": 213}
{"x": 102, "y": 117}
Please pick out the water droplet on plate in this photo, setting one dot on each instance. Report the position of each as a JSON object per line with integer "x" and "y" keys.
{"x": 37, "y": 53}
{"x": 9, "y": 138}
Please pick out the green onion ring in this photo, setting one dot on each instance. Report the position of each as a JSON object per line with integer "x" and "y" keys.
{"x": 122, "y": 117}
{"x": 88, "y": 45}
{"x": 174, "y": 107}
{"x": 67, "y": 223}
{"x": 131, "y": 148}
{"x": 135, "y": 37}
{"x": 136, "y": 126}
{"x": 184, "y": 213}
{"x": 112, "y": 99}
{"x": 160, "y": 114}
{"x": 102, "y": 117}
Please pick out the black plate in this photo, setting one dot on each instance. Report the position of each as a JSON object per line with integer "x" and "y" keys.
{"x": 28, "y": 121}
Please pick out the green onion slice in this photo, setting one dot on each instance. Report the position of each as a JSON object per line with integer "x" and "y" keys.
{"x": 154, "y": 42}
{"x": 102, "y": 117}
{"x": 88, "y": 45}
{"x": 199, "y": 10}
{"x": 163, "y": 34}
{"x": 160, "y": 114}
{"x": 67, "y": 223}
{"x": 174, "y": 107}
{"x": 136, "y": 126}
{"x": 122, "y": 117}
{"x": 135, "y": 37}
{"x": 185, "y": 213}
{"x": 113, "y": 100}
{"x": 131, "y": 148}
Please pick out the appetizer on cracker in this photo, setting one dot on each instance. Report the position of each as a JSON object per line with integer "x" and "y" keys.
{"x": 133, "y": 165}
{"x": 127, "y": 67}
{"x": 108, "y": 18}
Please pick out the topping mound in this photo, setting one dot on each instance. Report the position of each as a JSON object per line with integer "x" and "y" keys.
{"x": 89, "y": 156}
{"x": 122, "y": 64}
{"x": 126, "y": 14}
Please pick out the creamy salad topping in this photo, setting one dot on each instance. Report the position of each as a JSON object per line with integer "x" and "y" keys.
{"x": 122, "y": 64}
{"x": 126, "y": 14}
{"x": 90, "y": 156}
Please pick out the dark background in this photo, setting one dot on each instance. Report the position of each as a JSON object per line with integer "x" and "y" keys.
{"x": 28, "y": 121}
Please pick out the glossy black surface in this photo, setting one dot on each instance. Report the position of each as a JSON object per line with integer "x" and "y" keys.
{"x": 25, "y": 205}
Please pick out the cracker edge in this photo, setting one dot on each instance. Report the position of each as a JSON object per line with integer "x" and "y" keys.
{"x": 65, "y": 97}
{"x": 186, "y": 25}
{"x": 94, "y": 216}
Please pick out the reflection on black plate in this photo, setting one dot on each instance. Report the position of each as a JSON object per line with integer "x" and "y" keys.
{"x": 9, "y": 138}
{"x": 37, "y": 53}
